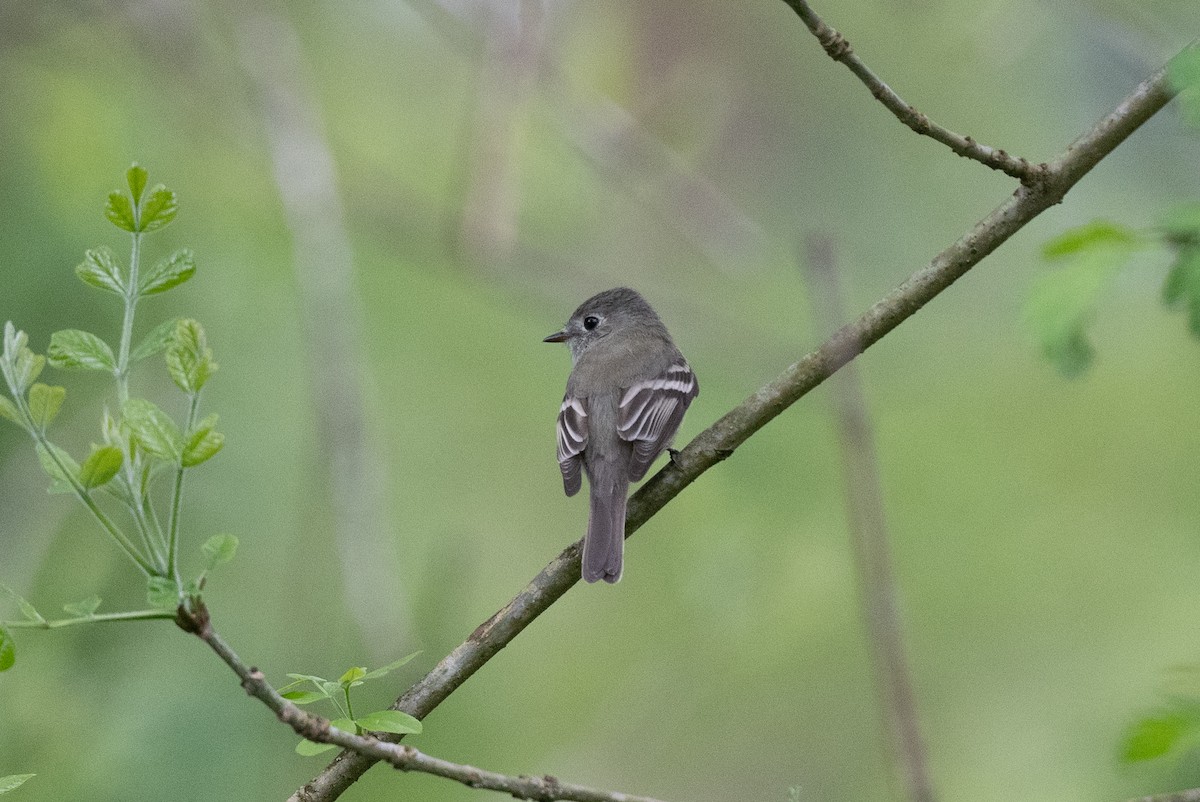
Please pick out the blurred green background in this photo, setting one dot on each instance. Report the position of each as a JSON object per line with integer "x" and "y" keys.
{"x": 494, "y": 163}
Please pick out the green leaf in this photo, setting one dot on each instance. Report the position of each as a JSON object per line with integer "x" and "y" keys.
{"x": 28, "y": 610}
{"x": 313, "y": 678}
{"x": 159, "y": 209}
{"x": 1096, "y": 234}
{"x": 100, "y": 466}
{"x": 153, "y": 429}
{"x": 72, "y": 349}
{"x": 8, "y": 651}
{"x": 9, "y": 410}
{"x": 99, "y": 268}
{"x": 156, "y": 341}
{"x": 189, "y": 359}
{"x": 202, "y": 443}
{"x": 60, "y": 481}
{"x": 379, "y": 672}
{"x": 170, "y": 272}
{"x": 219, "y": 549}
{"x": 1182, "y": 286}
{"x": 13, "y": 781}
{"x": 136, "y": 177}
{"x": 1062, "y": 302}
{"x": 26, "y": 368}
{"x": 83, "y": 608}
{"x": 44, "y": 403}
{"x": 162, "y": 593}
{"x": 352, "y": 676}
{"x": 309, "y": 748}
{"x": 390, "y": 721}
{"x": 303, "y": 697}
{"x": 119, "y": 211}
{"x": 1182, "y": 222}
{"x": 1153, "y": 737}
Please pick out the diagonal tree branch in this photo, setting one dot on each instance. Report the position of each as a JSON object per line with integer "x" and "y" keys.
{"x": 839, "y": 49}
{"x": 194, "y": 618}
{"x": 719, "y": 440}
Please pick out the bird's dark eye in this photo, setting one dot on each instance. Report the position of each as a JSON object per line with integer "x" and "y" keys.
{"x": 590, "y": 322}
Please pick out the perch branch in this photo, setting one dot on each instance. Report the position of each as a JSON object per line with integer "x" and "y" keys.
{"x": 721, "y": 439}
{"x": 195, "y": 619}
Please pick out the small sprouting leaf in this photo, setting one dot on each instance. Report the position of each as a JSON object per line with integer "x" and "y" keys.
{"x": 162, "y": 592}
{"x": 44, "y": 403}
{"x": 390, "y": 721}
{"x": 313, "y": 678}
{"x": 156, "y": 341}
{"x": 1182, "y": 223}
{"x": 100, "y": 466}
{"x": 119, "y": 211}
{"x": 14, "y": 341}
{"x": 352, "y": 676}
{"x": 159, "y": 209}
{"x": 12, "y": 781}
{"x": 28, "y": 610}
{"x": 219, "y": 549}
{"x": 331, "y": 688}
{"x": 1153, "y": 737}
{"x": 309, "y": 748}
{"x": 189, "y": 359}
{"x": 153, "y": 429}
{"x": 83, "y": 608}
{"x": 303, "y": 697}
{"x": 202, "y": 443}
{"x": 9, "y": 410}
{"x": 59, "y": 466}
{"x": 136, "y": 176}
{"x": 171, "y": 272}
{"x": 1096, "y": 234}
{"x": 26, "y": 367}
{"x": 379, "y": 672}
{"x": 1182, "y": 286}
{"x": 8, "y": 652}
{"x": 1062, "y": 302}
{"x": 72, "y": 349}
{"x": 99, "y": 268}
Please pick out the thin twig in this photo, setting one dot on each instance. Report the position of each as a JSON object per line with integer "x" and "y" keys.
{"x": 839, "y": 49}
{"x": 719, "y": 441}
{"x": 195, "y": 619}
{"x": 867, "y": 524}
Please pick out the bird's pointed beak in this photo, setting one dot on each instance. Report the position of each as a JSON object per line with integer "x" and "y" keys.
{"x": 557, "y": 337}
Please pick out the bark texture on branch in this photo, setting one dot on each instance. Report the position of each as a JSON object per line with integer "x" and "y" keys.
{"x": 721, "y": 439}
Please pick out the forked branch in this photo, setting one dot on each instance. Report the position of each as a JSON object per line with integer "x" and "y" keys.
{"x": 720, "y": 440}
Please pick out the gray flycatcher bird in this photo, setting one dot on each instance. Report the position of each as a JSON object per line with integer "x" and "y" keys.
{"x": 625, "y": 398}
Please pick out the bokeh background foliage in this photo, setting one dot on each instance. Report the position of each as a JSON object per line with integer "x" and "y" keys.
{"x": 492, "y": 173}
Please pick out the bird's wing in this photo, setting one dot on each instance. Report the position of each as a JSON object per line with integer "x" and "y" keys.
{"x": 650, "y": 412}
{"x": 572, "y": 439}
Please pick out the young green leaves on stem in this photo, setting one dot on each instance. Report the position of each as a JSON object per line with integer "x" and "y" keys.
{"x": 338, "y": 693}
{"x": 139, "y": 440}
{"x": 1063, "y": 303}
{"x": 137, "y": 214}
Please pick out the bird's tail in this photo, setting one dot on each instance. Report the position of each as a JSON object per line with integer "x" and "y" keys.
{"x": 604, "y": 544}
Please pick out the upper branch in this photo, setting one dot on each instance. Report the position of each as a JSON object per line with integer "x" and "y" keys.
{"x": 718, "y": 441}
{"x": 839, "y": 49}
